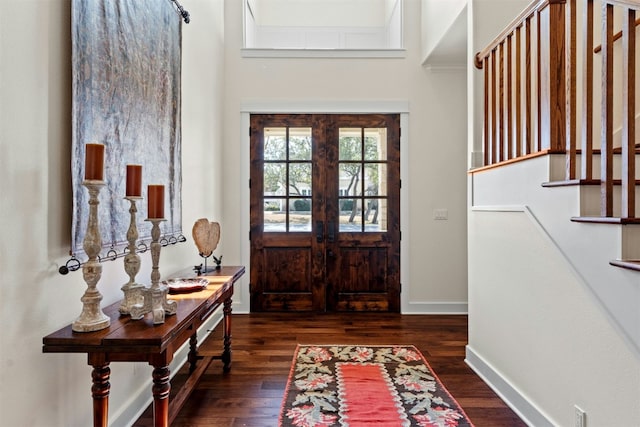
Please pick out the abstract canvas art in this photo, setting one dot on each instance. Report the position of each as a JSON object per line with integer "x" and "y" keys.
{"x": 126, "y": 72}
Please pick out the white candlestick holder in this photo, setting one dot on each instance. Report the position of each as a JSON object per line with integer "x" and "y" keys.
{"x": 92, "y": 318}
{"x": 132, "y": 290}
{"x": 155, "y": 297}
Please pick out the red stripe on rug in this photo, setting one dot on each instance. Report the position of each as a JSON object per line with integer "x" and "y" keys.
{"x": 368, "y": 396}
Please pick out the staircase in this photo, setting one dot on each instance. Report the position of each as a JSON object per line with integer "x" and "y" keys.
{"x": 559, "y": 85}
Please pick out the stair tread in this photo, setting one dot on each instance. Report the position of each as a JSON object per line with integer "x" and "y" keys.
{"x": 570, "y": 182}
{"x": 605, "y": 220}
{"x": 631, "y": 264}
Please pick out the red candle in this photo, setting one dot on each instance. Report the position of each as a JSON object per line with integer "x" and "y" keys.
{"x": 155, "y": 202}
{"x": 94, "y": 162}
{"x": 134, "y": 180}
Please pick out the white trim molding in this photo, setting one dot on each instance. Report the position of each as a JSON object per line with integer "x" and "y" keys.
{"x": 446, "y": 68}
{"x": 262, "y": 106}
{"x": 305, "y": 106}
{"x": 438, "y": 307}
{"x": 323, "y": 53}
{"x": 528, "y": 412}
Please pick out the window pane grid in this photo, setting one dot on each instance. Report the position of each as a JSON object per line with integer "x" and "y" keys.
{"x": 362, "y": 168}
{"x": 287, "y": 179}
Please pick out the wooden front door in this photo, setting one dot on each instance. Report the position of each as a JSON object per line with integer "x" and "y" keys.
{"x": 325, "y": 212}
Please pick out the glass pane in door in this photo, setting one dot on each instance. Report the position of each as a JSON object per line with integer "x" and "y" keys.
{"x": 299, "y": 143}
{"x": 350, "y": 140}
{"x": 287, "y": 175}
{"x": 362, "y": 169}
{"x": 275, "y": 143}
{"x": 300, "y": 215}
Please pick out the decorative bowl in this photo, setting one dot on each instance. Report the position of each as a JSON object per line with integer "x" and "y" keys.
{"x": 182, "y": 286}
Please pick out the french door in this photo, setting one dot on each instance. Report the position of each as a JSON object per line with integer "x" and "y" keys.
{"x": 325, "y": 212}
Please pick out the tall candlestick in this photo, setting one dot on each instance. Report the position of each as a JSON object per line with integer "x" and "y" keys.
{"x": 92, "y": 318}
{"x": 134, "y": 181}
{"x": 155, "y": 297}
{"x": 94, "y": 162}
{"x": 155, "y": 201}
{"x": 133, "y": 292}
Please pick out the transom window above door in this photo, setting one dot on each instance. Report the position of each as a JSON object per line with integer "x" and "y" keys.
{"x": 323, "y": 24}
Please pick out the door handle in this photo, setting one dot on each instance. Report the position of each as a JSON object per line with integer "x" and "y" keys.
{"x": 331, "y": 232}
{"x": 319, "y": 231}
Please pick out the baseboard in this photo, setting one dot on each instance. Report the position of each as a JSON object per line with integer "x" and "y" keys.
{"x": 142, "y": 398}
{"x": 507, "y": 392}
{"x": 450, "y": 307}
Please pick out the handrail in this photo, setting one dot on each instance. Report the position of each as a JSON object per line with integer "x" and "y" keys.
{"x": 617, "y": 36}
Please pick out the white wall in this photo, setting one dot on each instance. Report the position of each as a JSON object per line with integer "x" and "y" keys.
{"x": 35, "y": 143}
{"x": 436, "y": 250}
{"x": 551, "y": 323}
{"x": 437, "y": 18}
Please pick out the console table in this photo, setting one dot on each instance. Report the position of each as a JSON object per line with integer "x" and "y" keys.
{"x": 127, "y": 340}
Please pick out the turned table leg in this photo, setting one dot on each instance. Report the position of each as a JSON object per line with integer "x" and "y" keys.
{"x": 161, "y": 388}
{"x": 193, "y": 353}
{"x": 100, "y": 394}
{"x": 226, "y": 353}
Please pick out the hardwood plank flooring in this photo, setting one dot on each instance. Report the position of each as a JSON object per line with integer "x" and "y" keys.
{"x": 263, "y": 345}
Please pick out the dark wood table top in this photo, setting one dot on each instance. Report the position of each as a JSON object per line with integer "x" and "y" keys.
{"x": 125, "y": 335}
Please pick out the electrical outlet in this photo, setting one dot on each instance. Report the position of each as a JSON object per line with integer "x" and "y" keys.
{"x": 580, "y": 417}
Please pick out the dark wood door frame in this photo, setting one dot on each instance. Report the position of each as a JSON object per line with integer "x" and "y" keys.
{"x": 360, "y": 247}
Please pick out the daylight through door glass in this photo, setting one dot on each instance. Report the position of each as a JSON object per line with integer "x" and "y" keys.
{"x": 362, "y": 177}
{"x": 287, "y": 179}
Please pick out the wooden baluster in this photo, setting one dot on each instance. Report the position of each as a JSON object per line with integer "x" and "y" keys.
{"x": 518, "y": 94}
{"x": 606, "y": 174}
{"x": 528, "y": 83}
{"x": 509, "y": 98}
{"x": 501, "y": 121}
{"x": 551, "y": 78}
{"x": 587, "y": 94}
{"x": 628, "y": 114}
{"x": 571, "y": 126}
{"x": 493, "y": 107}
{"x": 538, "y": 55}
{"x": 487, "y": 113}
{"x": 557, "y": 103}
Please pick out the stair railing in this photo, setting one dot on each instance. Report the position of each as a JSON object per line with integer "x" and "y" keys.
{"x": 524, "y": 78}
{"x": 532, "y": 88}
{"x": 628, "y": 99}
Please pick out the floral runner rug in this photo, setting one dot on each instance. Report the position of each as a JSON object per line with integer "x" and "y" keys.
{"x": 353, "y": 386}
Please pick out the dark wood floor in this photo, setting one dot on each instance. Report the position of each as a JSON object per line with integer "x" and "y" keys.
{"x": 263, "y": 346}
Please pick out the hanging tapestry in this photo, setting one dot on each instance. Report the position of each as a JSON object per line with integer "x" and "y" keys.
{"x": 126, "y": 71}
